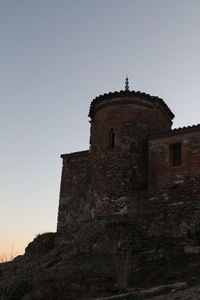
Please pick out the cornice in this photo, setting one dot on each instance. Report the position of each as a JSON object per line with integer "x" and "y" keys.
{"x": 126, "y": 95}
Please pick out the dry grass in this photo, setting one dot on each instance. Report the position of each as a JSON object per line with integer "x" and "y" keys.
{"x": 121, "y": 261}
{"x": 6, "y": 258}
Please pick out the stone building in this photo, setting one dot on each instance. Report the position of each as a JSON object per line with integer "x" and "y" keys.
{"x": 137, "y": 187}
{"x": 129, "y": 209}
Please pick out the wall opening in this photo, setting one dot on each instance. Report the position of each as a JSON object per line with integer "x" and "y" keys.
{"x": 111, "y": 142}
{"x": 176, "y": 154}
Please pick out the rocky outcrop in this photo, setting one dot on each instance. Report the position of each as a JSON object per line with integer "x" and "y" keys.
{"x": 42, "y": 244}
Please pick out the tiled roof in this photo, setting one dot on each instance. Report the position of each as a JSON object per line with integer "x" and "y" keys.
{"x": 106, "y": 97}
{"x": 175, "y": 131}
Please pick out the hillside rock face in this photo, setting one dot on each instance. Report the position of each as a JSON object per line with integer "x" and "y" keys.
{"x": 41, "y": 245}
{"x": 62, "y": 274}
{"x": 129, "y": 208}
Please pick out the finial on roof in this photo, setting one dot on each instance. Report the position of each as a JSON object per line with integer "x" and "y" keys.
{"x": 126, "y": 84}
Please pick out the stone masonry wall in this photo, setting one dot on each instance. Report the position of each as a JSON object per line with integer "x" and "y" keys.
{"x": 102, "y": 214}
{"x": 129, "y": 196}
{"x": 151, "y": 225}
{"x": 73, "y": 191}
{"x": 99, "y": 210}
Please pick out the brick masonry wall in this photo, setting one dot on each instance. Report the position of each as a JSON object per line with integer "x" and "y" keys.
{"x": 162, "y": 174}
{"x": 132, "y": 123}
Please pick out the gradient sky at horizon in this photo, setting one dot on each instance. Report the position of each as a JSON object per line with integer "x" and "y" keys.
{"x": 55, "y": 57}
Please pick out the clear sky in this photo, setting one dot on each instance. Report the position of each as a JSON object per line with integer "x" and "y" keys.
{"x": 55, "y": 57}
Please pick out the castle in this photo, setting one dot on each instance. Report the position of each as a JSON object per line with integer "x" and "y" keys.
{"x": 136, "y": 188}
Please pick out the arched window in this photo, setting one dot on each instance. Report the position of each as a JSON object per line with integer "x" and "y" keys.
{"x": 111, "y": 138}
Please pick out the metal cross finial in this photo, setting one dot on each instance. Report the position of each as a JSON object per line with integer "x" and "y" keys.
{"x": 126, "y": 84}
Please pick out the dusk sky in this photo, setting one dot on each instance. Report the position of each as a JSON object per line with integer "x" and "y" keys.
{"x": 55, "y": 57}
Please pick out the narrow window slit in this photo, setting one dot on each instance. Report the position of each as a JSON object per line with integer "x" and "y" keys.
{"x": 112, "y": 138}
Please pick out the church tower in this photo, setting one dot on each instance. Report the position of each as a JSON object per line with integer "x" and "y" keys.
{"x": 104, "y": 180}
{"x": 120, "y": 125}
